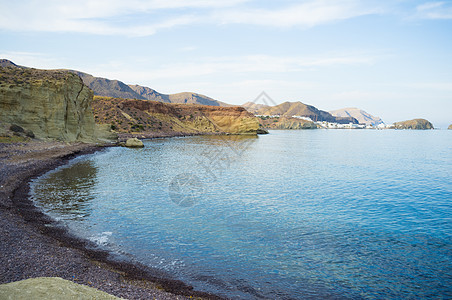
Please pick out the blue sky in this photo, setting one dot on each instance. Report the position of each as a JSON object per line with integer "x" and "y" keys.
{"x": 390, "y": 58}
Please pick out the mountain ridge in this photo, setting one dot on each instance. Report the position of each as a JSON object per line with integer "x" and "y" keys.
{"x": 362, "y": 116}
{"x": 299, "y": 109}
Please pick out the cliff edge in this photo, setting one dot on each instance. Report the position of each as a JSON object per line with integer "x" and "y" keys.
{"x": 46, "y": 104}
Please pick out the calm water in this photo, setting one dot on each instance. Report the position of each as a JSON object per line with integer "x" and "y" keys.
{"x": 293, "y": 214}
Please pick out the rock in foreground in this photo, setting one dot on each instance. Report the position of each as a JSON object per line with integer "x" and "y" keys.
{"x": 50, "y": 288}
{"x": 419, "y": 124}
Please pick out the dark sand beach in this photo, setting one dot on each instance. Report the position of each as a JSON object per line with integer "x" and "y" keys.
{"x": 31, "y": 245}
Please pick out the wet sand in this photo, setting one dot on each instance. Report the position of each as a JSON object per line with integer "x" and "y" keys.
{"x": 32, "y": 245}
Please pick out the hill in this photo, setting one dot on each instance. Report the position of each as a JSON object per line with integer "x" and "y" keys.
{"x": 419, "y": 124}
{"x": 290, "y": 109}
{"x": 254, "y": 107}
{"x": 360, "y": 115}
{"x": 147, "y": 118}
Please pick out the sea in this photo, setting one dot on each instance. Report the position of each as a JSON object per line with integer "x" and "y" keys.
{"x": 302, "y": 214}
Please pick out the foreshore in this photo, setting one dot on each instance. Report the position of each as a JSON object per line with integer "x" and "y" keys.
{"x": 31, "y": 245}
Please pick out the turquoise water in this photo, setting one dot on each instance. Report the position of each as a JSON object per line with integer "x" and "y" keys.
{"x": 289, "y": 215}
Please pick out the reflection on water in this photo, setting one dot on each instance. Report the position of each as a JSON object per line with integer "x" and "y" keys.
{"x": 68, "y": 192}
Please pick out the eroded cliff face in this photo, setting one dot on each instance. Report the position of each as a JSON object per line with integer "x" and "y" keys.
{"x": 144, "y": 116}
{"x": 51, "y": 104}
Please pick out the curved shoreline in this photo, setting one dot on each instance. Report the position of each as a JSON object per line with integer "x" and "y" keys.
{"x": 34, "y": 245}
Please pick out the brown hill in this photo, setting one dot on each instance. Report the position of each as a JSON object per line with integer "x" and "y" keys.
{"x": 419, "y": 124}
{"x": 148, "y": 118}
{"x": 289, "y": 109}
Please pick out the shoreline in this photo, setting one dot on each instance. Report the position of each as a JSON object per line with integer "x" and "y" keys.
{"x": 34, "y": 245}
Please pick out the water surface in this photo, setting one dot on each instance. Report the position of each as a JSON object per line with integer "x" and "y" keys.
{"x": 293, "y": 214}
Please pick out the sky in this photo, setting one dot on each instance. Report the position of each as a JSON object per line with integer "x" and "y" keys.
{"x": 392, "y": 59}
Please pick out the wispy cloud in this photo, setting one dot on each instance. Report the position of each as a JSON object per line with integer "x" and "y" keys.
{"x": 249, "y": 64}
{"x": 307, "y": 14}
{"x": 118, "y": 17}
{"x": 434, "y": 10}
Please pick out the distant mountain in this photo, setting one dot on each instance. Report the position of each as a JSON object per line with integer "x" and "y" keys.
{"x": 118, "y": 89}
{"x": 254, "y": 107}
{"x": 107, "y": 87}
{"x": 360, "y": 115}
{"x": 289, "y": 109}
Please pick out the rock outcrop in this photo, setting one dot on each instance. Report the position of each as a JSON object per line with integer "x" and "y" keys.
{"x": 145, "y": 116}
{"x": 419, "y": 124}
{"x": 134, "y": 143}
{"x": 450, "y": 127}
{"x": 47, "y": 104}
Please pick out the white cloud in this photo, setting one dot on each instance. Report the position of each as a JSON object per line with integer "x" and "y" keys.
{"x": 253, "y": 66}
{"x": 307, "y": 14}
{"x": 118, "y": 17}
{"x": 434, "y": 10}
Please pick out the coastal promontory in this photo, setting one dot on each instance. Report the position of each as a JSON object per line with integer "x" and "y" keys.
{"x": 418, "y": 124}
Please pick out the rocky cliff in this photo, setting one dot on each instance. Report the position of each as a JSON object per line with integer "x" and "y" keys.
{"x": 414, "y": 124}
{"x": 151, "y": 117}
{"x": 450, "y": 126}
{"x": 46, "y": 104}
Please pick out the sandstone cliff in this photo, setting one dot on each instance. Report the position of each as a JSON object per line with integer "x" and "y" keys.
{"x": 50, "y": 104}
{"x": 414, "y": 124}
{"x": 151, "y": 117}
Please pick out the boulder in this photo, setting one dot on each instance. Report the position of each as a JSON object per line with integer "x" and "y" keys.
{"x": 134, "y": 143}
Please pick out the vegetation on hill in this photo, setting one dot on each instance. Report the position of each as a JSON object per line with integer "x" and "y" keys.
{"x": 419, "y": 124}
{"x": 145, "y": 117}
